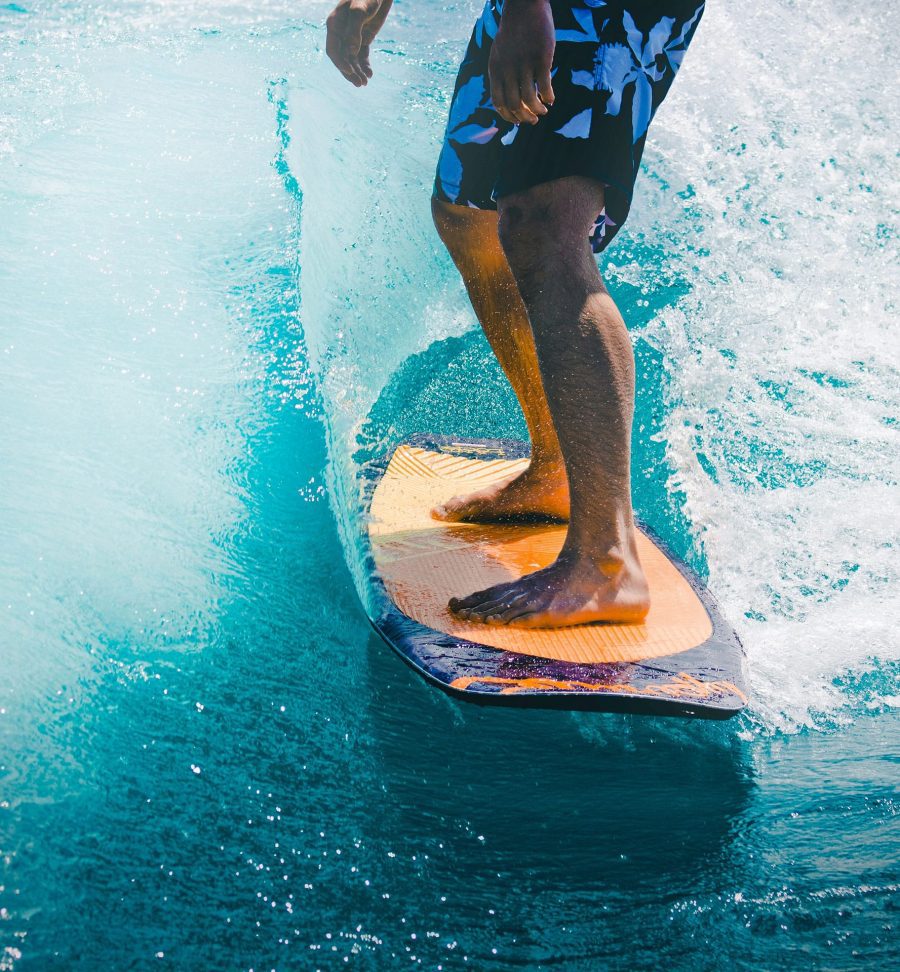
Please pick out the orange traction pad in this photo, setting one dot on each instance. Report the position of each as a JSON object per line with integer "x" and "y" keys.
{"x": 424, "y": 562}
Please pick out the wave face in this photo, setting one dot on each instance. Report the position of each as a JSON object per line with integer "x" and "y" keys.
{"x": 220, "y": 299}
{"x": 755, "y": 275}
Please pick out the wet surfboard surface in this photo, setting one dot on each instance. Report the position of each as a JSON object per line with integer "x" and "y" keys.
{"x": 684, "y": 659}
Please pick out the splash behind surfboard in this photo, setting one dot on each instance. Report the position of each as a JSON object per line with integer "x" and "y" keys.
{"x": 682, "y": 660}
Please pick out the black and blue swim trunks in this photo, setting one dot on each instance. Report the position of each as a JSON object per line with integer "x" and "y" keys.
{"x": 613, "y": 65}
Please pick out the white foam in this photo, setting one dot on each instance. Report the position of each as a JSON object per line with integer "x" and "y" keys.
{"x": 788, "y": 151}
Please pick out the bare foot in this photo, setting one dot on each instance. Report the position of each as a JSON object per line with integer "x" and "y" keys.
{"x": 568, "y": 591}
{"x": 533, "y": 494}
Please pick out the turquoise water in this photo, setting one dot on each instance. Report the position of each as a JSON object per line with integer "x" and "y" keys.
{"x": 220, "y": 296}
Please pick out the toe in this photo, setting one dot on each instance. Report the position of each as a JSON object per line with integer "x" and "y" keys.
{"x": 513, "y": 612}
{"x": 494, "y": 610}
{"x": 449, "y": 512}
{"x": 474, "y": 600}
{"x": 463, "y": 609}
{"x": 463, "y": 603}
{"x": 492, "y": 606}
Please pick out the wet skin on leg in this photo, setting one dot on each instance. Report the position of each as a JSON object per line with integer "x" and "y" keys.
{"x": 587, "y": 365}
{"x": 541, "y": 490}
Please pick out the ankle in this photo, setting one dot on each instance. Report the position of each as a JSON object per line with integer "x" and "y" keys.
{"x": 612, "y": 553}
{"x": 546, "y": 463}
{"x": 611, "y": 562}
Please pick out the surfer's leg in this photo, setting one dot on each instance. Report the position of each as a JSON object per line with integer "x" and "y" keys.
{"x": 471, "y": 237}
{"x": 587, "y": 365}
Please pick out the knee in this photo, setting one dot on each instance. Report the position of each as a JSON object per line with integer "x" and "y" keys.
{"x": 533, "y": 242}
{"x": 519, "y": 231}
{"x": 544, "y": 231}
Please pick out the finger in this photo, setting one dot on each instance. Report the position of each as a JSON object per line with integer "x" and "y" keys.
{"x": 347, "y": 70}
{"x": 524, "y": 115}
{"x": 521, "y": 112}
{"x": 503, "y": 97}
{"x": 363, "y": 61}
{"x": 545, "y": 87}
{"x": 358, "y": 69}
{"x": 499, "y": 100}
{"x": 528, "y": 94}
{"x": 351, "y": 73}
{"x": 361, "y": 76}
{"x": 353, "y": 41}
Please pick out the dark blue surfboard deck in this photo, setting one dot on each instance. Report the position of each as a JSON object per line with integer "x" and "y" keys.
{"x": 706, "y": 681}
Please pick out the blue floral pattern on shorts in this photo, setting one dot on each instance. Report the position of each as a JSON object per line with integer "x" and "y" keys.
{"x": 613, "y": 65}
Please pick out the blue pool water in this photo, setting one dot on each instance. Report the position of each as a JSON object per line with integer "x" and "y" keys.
{"x": 220, "y": 296}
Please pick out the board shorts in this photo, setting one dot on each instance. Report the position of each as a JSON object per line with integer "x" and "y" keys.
{"x": 613, "y": 65}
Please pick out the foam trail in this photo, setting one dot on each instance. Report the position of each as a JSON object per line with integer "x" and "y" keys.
{"x": 763, "y": 235}
{"x": 782, "y": 428}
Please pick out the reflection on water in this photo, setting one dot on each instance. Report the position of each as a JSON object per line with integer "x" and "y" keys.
{"x": 206, "y": 757}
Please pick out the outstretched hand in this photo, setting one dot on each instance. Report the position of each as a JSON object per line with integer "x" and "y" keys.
{"x": 521, "y": 60}
{"x": 351, "y": 28}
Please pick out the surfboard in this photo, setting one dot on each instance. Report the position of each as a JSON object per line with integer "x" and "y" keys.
{"x": 683, "y": 660}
